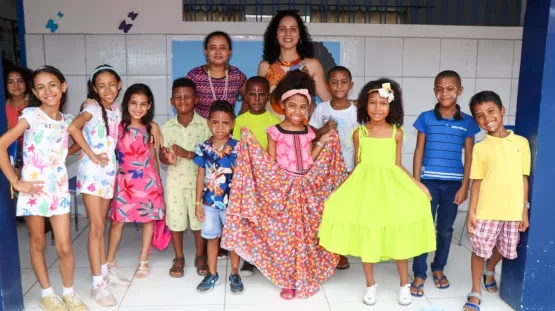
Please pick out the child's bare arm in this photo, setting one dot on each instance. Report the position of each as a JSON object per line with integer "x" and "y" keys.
{"x": 473, "y": 205}
{"x": 154, "y": 158}
{"x": 525, "y": 223}
{"x": 74, "y": 130}
{"x": 356, "y": 146}
{"x": 73, "y": 149}
{"x": 418, "y": 155}
{"x": 462, "y": 194}
{"x": 271, "y": 147}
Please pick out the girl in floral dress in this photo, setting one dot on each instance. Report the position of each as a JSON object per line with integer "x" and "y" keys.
{"x": 43, "y": 188}
{"x": 139, "y": 196}
{"x": 278, "y": 197}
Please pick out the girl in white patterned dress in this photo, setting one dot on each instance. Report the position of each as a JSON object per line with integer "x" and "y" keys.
{"x": 43, "y": 188}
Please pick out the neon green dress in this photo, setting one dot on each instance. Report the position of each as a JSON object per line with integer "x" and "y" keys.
{"x": 379, "y": 213}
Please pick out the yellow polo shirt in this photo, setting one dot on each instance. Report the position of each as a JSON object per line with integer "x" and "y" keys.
{"x": 184, "y": 173}
{"x": 257, "y": 124}
{"x": 501, "y": 164}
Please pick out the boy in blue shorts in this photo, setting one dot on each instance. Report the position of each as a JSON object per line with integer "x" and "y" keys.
{"x": 442, "y": 135}
{"x": 216, "y": 160}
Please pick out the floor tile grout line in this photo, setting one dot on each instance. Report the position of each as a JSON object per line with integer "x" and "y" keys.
{"x": 56, "y": 260}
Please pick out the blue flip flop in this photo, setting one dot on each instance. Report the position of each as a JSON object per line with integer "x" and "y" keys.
{"x": 417, "y": 287}
{"x": 490, "y": 285}
{"x": 439, "y": 280}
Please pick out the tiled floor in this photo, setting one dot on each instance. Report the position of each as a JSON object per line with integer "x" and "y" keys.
{"x": 160, "y": 292}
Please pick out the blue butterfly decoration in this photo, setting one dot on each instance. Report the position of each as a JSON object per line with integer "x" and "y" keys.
{"x": 60, "y": 14}
{"x": 51, "y": 25}
{"x": 125, "y": 27}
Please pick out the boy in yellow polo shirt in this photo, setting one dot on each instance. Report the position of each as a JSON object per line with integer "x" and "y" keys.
{"x": 498, "y": 209}
{"x": 182, "y": 135}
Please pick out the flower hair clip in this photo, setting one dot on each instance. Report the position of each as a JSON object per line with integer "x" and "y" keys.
{"x": 386, "y": 92}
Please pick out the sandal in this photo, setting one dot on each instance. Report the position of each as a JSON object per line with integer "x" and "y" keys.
{"x": 287, "y": 293}
{"x": 439, "y": 280}
{"x": 176, "y": 271}
{"x": 142, "y": 269}
{"x": 418, "y": 290}
{"x": 470, "y": 306}
{"x": 490, "y": 287}
{"x": 343, "y": 263}
{"x": 202, "y": 270}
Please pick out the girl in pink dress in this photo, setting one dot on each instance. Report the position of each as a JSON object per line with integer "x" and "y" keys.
{"x": 139, "y": 196}
{"x": 277, "y": 198}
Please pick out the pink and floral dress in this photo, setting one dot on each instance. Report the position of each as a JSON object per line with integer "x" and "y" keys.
{"x": 276, "y": 208}
{"x": 139, "y": 196}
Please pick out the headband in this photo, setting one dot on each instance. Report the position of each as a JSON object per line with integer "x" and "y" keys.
{"x": 290, "y": 93}
{"x": 385, "y": 92}
{"x": 101, "y": 68}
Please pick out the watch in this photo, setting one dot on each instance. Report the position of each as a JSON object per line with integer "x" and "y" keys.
{"x": 320, "y": 144}
{"x": 527, "y": 205}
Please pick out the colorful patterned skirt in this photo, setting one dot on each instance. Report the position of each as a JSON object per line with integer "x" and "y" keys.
{"x": 273, "y": 217}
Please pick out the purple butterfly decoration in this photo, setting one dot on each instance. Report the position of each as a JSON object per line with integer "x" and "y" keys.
{"x": 125, "y": 27}
{"x": 132, "y": 15}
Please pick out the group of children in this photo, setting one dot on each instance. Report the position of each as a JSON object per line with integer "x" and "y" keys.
{"x": 290, "y": 198}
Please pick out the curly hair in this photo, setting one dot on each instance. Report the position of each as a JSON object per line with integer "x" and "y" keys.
{"x": 25, "y": 73}
{"x": 295, "y": 80}
{"x": 396, "y": 114}
{"x": 271, "y": 45}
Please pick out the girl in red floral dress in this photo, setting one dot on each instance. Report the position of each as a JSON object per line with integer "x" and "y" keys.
{"x": 139, "y": 196}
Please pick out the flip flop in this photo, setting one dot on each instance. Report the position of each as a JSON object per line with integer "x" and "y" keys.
{"x": 490, "y": 285}
{"x": 202, "y": 270}
{"x": 417, "y": 287}
{"x": 343, "y": 266}
{"x": 468, "y": 304}
{"x": 439, "y": 285}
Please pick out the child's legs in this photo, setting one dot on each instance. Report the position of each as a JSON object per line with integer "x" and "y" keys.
{"x": 483, "y": 242}
{"x": 96, "y": 210}
{"x": 177, "y": 242}
{"x": 116, "y": 229}
{"x": 61, "y": 227}
{"x": 369, "y": 273}
{"x": 403, "y": 268}
{"x": 419, "y": 264}
{"x": 212, "y": 231}
{"x": 35, "y": 224}
{"x": 148, "y": 229}
{"x": 446, "y": 215}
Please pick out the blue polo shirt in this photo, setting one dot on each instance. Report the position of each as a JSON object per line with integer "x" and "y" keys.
{"x": 445, "y": 140}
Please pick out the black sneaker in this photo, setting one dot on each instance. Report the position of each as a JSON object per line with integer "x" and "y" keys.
{"x": 235, "y": 284}
{"x": 247, "y": 270}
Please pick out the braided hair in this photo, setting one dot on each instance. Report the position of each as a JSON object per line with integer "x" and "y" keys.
{"x": 92, "y": 94}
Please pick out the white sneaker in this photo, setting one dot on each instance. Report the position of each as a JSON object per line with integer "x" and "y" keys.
{"x": 113, "y": 280}
{"x": 102, "y": 296}
{"x": 370, "y": 295}
{"x": 405, "y": 297}
{"x": 53, "y": 302}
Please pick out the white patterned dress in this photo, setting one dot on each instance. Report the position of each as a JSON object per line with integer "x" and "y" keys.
{"x": 93, "y": 178}
{"x": 45, "y": 146}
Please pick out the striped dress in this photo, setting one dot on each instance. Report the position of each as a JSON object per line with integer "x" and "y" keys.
{"x": 235, "y": 81}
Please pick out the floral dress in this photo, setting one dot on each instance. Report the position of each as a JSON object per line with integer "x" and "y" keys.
{"x": 139, "y": 195}
{"x": 273, "y": 216}
{"x": 93, "y": 178}
{"x": 45, "y": 146}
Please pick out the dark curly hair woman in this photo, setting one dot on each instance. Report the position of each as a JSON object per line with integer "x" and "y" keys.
{"x": 288, "y": 47}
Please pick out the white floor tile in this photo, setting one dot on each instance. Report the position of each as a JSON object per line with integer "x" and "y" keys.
{"x": 174, "y": 308}
{"x": 164, "y": 290}
{"x": 489, "y": 303}
{"x": 381, "y": 304}
{"x": 292, "y": 305}
{"x": 28, "y": 279}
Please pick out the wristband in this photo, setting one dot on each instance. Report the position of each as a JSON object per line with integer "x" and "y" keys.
{"x": 527, "y": 205}
{"x": 320, "y": 144}
{"x": 197, "y": 204}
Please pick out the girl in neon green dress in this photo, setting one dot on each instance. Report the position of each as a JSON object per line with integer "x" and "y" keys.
{"x": 381, "y": 212}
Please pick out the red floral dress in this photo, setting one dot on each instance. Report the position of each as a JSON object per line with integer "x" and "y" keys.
{"x": 273, "y": 216}
{"x": 139, "y": 196}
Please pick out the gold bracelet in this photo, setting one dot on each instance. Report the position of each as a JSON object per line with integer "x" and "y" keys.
{"x": 197, "y": 203}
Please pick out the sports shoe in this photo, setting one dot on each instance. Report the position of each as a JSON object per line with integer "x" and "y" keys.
{"x": 53, "y": 302}
{"x": 235, "y": 284}
{"x": 74, "y": 302}
{"x": 370, "y": 295}
{"x": 405, "y": 297}
{"x": 208, "y": 283}
{"x": 102, "y": 296}
{"x": 113, "y": 280}
{"x": 247, "y": 270}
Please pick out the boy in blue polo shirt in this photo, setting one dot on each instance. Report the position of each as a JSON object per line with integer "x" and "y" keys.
{"x": 442, "y": 135}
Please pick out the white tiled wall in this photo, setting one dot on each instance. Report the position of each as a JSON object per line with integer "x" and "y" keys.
{"x": 484, "y": 64}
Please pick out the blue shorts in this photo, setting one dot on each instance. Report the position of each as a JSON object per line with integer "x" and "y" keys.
{"x": 213, "y": 223}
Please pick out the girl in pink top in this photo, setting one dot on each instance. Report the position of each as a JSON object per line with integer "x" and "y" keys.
{"x": 277, "y": 198}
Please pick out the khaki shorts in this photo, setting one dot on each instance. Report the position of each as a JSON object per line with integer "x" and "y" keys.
{"x": 180, "y": 209}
